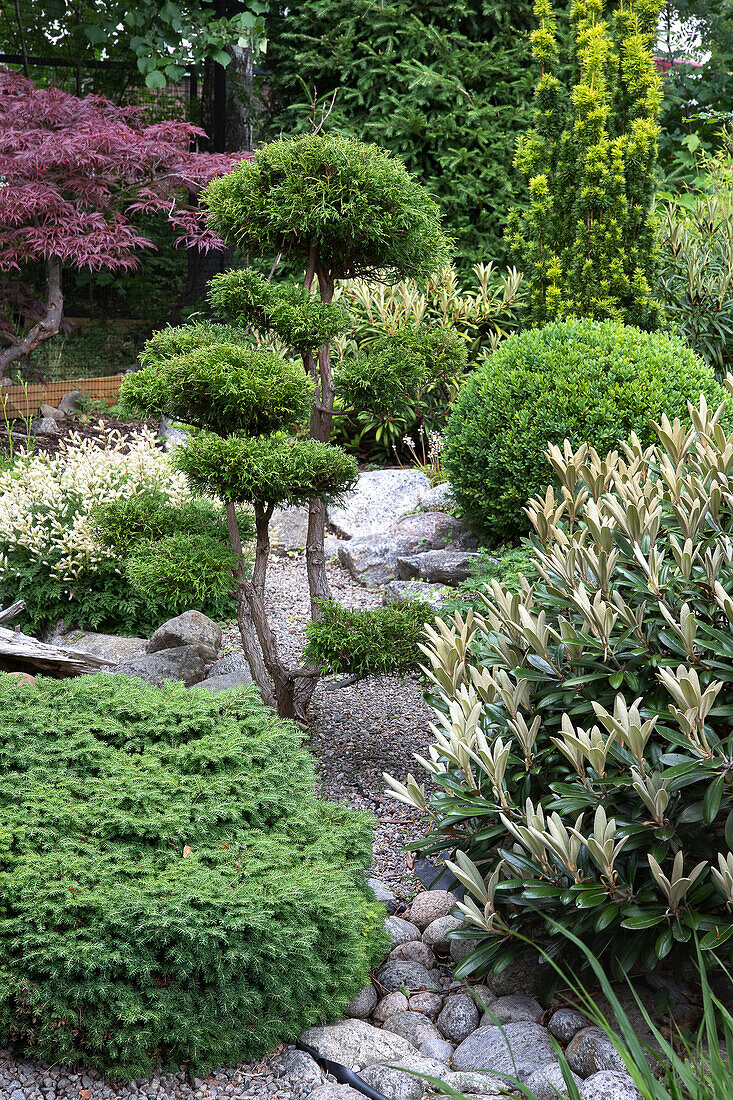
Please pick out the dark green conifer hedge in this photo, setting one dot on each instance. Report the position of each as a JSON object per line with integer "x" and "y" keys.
{"x": 171, "y": 891}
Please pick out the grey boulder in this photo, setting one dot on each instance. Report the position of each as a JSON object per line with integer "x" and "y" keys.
{"x": 415, "y": 950}
{"x": 471, "y": 1082}
{"x": 191, "y": 628}
{"x": 111, "y": 647}
{"x": 413, "y": 1026}
{"x": 300, "y": 1065}
{"x": 52, "y": 413}
{"x": 548, "y": 1083}
{"x": 565, "y": 1022}
{"x": 458, "y": 1019}
{"x": 609, "y": 1085}
{"x": 70, "y": 402}
{"x": 437, "y": 1048}
{"x": 288, "y": 529}
{"x": 590, "y": 1051}
{"x": 436, "y": 933}
{"x": 517, "y": 1049}
{"x": 45, "y": 425}
{"x": 396, "y": 1084}
{"x": 435, "y": 531}
{"x": 512, "y": 1010}
{"x": 401, "y": 591}
{"x": 362, "y": 1004}
{"x": 356, "y": 1044}
{"x": 387, "y": 1006}
{"x": 383, "y": 893}
{"x": 443, "y": 566}
{"x": 429, "y": 905}
{"x": 183, "y": 663}
{"x": 429, "y": 1004}
{"x": 225, "y": 681}
{"x": 401, "y": 931}
{"x": 438, "y": 498}
{"x": 396, "y": 973}
{"x": 379, "y": 498}
{"x": 170, "y": 434}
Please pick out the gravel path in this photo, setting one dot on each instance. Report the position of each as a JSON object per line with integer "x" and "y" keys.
{"x": 357, "y": 733}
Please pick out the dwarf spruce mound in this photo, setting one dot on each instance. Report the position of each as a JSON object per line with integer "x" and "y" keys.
{"x": 172, "y": 891}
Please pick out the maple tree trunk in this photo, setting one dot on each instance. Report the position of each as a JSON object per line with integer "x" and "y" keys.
{"x": 44, "y": 329}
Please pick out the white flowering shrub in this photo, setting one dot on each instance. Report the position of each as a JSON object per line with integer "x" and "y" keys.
{"x": 49, "y": 555}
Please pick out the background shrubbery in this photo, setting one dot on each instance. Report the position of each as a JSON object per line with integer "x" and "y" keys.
{"x": 584, "y": 381}
{"x": 172, "y": 891}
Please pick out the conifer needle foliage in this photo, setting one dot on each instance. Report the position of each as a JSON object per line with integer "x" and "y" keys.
{"x": 172, "y": 892}
{"x": 587, "y": 241}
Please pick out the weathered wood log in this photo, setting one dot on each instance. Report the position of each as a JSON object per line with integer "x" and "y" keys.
{"x": 19, "y": 652}
{"x": 10, "y": 612}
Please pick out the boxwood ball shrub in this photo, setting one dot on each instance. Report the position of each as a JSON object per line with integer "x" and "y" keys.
{"x": 172, "y": 891}
{"x": 585, "y": 381}
{"x": 584, "y": 731}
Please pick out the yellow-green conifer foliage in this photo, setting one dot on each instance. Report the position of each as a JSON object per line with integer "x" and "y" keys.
{"x": 587, "y": 239}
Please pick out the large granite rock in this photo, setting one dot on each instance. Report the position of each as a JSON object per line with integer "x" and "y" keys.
{"x": 413, "y": 1026}
{"x": 380, "y": 497}
{"x": 441, "y": 566}
{"x": 433, "y": 594}
{"x": 401, "y": 931}
{"x": 459, "y": 1018}
{"x": 225, "y": 681}
{"x": 356, "y": 1044}
{"x": 372, "y": 559}
{"x": 192, "y": 628}
{"x": 182, "y": 663}
{"x": 288, "y": 529}
{"x": 516, "y": 1049}
{"x": 513, "y": 1009}
{"x": 609, "y": 1085}
{"x": 474, "y": 1083}
{"x": 70, "y": 402}
{"x": 438, "y": 498}
{"x": 112, "y": 647}
{"x": 45, "y": 425}
{"x": 435, "y": 530}
{"x": 396, "y": 973}
{"x": 397, "y": 1085}
{"x": 548, "y": 1083}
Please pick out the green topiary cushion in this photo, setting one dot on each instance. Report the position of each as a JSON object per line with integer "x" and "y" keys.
{"x": 587, "y": 381}
{"x": 170, "y": 889}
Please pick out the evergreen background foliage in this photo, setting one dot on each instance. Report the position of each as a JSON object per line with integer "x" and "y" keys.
{"x": 445, "y": 86}
{"x": 172, "y": 891}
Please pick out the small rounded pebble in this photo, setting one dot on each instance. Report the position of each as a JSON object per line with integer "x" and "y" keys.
{"x": 387, "y": 1006}
{"x": 429, "y": 1003}
{"x": 565, "y": 1022}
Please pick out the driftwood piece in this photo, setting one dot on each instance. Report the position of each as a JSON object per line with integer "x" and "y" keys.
{"x": 19, "y": 652}
{"x": 11, "y": 612}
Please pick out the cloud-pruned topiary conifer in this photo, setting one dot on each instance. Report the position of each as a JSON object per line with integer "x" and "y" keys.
{"x": 173, "y": 892}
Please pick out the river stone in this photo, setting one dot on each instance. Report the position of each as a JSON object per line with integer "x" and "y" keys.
{"x": 183, "y": 663}
{"x": 481, "y": 994}
{"x": 437, "y": 1048}
{"x": 380, "y": 497}
{"x": 461, "y": 949}
{"x": 226, "y": 681}
{"x": 435, "y": 530}
{"x": 609, "y": 1085}
{"x": 396, "y": 1085}
{"x": 401, "y": 931}
{"x": 468, "y": 1081}
{"x": 190, "y": 628}
{"x": 52, "y": 413}
{"x": 526, "y": 974}
{"x": 356, "y": 1044}
{"x": 548, "y": 1083}
{"x": 363, "y": 1003}
{"x": 331, "y": 1091}
{"x": 413, "y": 1026}
{"x": 383, "y": 894}
{"x": 590, "y": 1051}
{"x": 435, "y": 935}
{"x": 565, "y": 1022}
{"x": 441, "y": 566}
{"x": 302, "y": 1067}
{"x": 45, "y": 425}
{"x": 396, "y": 973}
{"x": 111, "y": 647}
{"x": 458, "y": 1019}
{"x": 513, "y": 1009}
{"x": 70, "y": 402}
{"x": 415, "y": 950}
{"x": 387, "y": 1006}
{"x": 429, "y": 905}
{"x": 518, "y": 1049}
{"x": 428, "y": 1003}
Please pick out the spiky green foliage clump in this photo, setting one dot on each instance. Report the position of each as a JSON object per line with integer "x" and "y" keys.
{"x": 383, "y": 641}
{"x": 585, "y": 722}
{"x": 353, "y": 203}
{"x": 172, "y": 890}
{"x": 223, "y": 388}
{"x": 587, "y": 240}
{"x": 585, "y": 381}
{"x": 288, "y": 310}
{"x": 398, "y": 368}
{"x": 265, "y": 470}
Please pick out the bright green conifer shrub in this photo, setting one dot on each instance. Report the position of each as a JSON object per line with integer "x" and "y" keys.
{"x": 384, "y": 641}
{"x": 172, "y": 891}
{"x": 585, "y": 381}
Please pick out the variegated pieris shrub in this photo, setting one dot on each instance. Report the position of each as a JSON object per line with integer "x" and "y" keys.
{"x": 49, "y": 554}
{"x": 583, "y": 753}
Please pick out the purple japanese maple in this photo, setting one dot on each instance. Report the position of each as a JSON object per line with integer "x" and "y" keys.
{"x": 73, "y": 173}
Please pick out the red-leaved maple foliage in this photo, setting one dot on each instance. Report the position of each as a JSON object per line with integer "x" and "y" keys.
{"x": 73, "y": 174}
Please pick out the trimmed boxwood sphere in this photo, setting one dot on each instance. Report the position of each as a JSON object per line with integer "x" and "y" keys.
{"x": 172, "y": 890}
{"x": 586, "y": 381}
